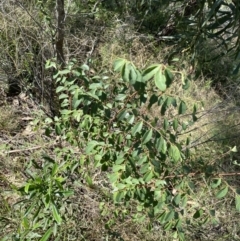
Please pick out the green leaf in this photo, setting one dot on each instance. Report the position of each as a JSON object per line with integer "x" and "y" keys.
{"x": 60, "y": 88}
{"x": 182, "y": 108}
{"x": 130, "y": 119}
{"x": 234, "y": 149}
{"x": 175, "y": 124}
{"x": 237, "y": 202}
{"x": 126, "y": 72}
{"x": 90, "y": 146}
{"x": 145, "y": 168}
{"x": 148, "y": 176}
{"x": 95, "y": 86}
{"x": 186, "y": 85}
{"x": 150, "y": 72}
{"x": 46, "y": 236}
{"x": 169, "y": 77}
{"x": 184, "y": 201}
{"x": 169, "y": 216}
{"x": 142, "y": 160}
{"x": 89, "y": 181}
{"x": 174, "y": 153}
{"x": 63, "y": 96}
{"x": 139, "y": 76}
{"x": 120, "y": 159}
{"x": 58, "y": 129}
{"x": 161, "y": 145}
{"x": 168, "y": 101}
{"x": 85, "y": 67}
{"x": 177, "y": 199}
{"x": 133, "y": 75}
{"x": 137, "y": 128}
{"x": 160, "y": 80}
{"x": 216, "y": 182}
{"x": 56, "y": 215}
{"x": 117, "y": 168}
{"x": 167, "y": 226}
{"x": 153, "y": 99}
{"x": 64, "y": 71}
{"x": 181, "y": 236}
{"x": 118, "y": 196}
{"x": 113, "y": 177}
{"x": 121, "y": 97}
{"x": 122, "y": 114}
{"x": 147, "y": 136}
{"x": 118, "y": 64}
{"x": 76, "y": 103}
{"x": 222, "y": 193}
{"x": 198, "y": 214}
{"x": 165, "y": 124}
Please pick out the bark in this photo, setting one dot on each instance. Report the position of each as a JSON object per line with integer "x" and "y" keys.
{"x": 60, "y": 32}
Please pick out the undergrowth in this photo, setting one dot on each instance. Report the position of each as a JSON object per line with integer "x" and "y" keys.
{"x": 80, "y": 196}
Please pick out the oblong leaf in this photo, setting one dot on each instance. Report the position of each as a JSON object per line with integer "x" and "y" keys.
{"x": 150, "y": 72}
{"x": 147, "y": 136}
{"x": 118, "y": 64}
{"x": 126, "y": 72}
{"x": 237, "y": 202}
{"x": 182, "y": 108}
{"x": 137, "y": 128}
{"x": 222, "y": 193}
{"x": 133, "y": 75}
{"x": 46, "y": 236}
{"x": 169, "y": 77}
{"x": 148, "y": 176}
{"x": 174, "y": 153}
{"x": 160, "y": 80}
{"x": 56, "y": 214}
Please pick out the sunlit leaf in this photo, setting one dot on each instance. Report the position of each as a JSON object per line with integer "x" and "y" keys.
{"x": 174, "y": 153}
{"x": 113, "y": 177}
{"x": 150, "y": 72}
{"x": 118, "y": 64}
{"x": 234, "y": 149}
{"x": 118, "y": 196}
{"x": 148, "y": 176}
{"x": 137, "y": 128}
{"x": 126, "y": 72}
{"x": 222, "y": 193}
{"x": 216, "y": 182}
{"x": 160, "y": 80}
{"x": 177, "y": 199}
{"x": 122, "y": 114}
{"x": 56, "y": 214}
{"x": 147, "y": 136}
{"x": 133, "y": 75}
{"x": 142, "y": 160}
{"x": 169, "y": 216}
{"x": 186, "y": 84}
{"x": 145, "y": 168}
{"x": 237, "y": 202}
{"x": 46, "y": 236}
{"x": 161, "y": 145}
{"x": 60, "y": 88}
{"x": 121, "y": 97}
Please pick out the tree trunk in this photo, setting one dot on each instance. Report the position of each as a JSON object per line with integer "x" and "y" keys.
{"x": 60, "y": 31}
